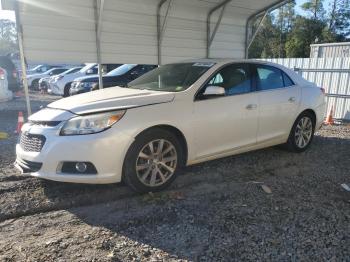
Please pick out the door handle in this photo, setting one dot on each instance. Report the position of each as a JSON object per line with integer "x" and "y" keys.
{"x": 251, "y": 106}
{"x": 292, "y": 99}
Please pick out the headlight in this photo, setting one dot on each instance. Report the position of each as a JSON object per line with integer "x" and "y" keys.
{"x": 86, "y": 84}
{"x": 90, "y": 124}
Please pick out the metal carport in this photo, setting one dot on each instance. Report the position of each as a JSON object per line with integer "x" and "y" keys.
{"x": 135, "y": 31}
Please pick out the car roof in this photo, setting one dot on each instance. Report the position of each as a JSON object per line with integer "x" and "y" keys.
{"x": 225, "y": 61}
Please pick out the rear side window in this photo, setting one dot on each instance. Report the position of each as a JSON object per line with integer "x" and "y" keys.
{"x": 58, "y": 71}
{"x": 269, "y": 77}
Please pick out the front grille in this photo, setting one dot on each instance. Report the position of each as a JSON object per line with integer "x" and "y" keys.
{"x": 31, "y": 142}
{"x": 45, "y": 123}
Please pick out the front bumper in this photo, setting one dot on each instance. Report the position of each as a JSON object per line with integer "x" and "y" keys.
{"x": 54, "y": 89}
{"x": 76, "y": 91}
{"x": 106, "y": 150}
{"x": 73, "y": 92}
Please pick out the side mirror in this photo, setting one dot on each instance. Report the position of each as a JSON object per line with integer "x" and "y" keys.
{"x": 214, "y": 91}
{"x": 89, "y": 72}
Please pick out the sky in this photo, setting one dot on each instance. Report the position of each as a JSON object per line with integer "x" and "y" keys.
{"x": 11, "y": 16}
{"x": 5, "y": 14}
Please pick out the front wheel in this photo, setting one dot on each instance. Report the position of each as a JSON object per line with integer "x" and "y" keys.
{"x": 302, "y": 133}
{"x": 66, "y": 90}
{"x": 153, "y": 161}
{"x": 35, "y": 84}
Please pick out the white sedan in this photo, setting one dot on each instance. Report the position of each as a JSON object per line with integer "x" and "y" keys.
{"x": 176, "y": 115}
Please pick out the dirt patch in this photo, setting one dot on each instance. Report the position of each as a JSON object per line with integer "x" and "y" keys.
{"x": 216, "y": 211}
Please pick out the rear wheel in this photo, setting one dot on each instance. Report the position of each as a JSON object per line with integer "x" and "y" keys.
{"x": 153, "y": 161}
{"x": 302, "y": 133}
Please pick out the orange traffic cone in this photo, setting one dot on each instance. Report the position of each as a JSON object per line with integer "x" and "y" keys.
{"x": 329, "y": 118}
{"x": 20, "y": 122}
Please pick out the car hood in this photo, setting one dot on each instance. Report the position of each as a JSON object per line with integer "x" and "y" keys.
{"x": 35, "y": 75}
{"x": 94, "y": 78}
{"x": 113, "y": 98}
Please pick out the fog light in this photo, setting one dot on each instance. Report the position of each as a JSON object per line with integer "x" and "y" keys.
{"x": 80, "y": 167}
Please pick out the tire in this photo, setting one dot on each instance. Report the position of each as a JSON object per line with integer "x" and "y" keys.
{"x": 66, "y": 90}
{"x": 35, "y": 85}
{"x": 95, "y": 87}
{"x": 300, "y": 133}
{"x": 136, "y": 166}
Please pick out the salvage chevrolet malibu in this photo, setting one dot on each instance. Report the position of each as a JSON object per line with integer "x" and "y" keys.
{"x": 176, "y": 115}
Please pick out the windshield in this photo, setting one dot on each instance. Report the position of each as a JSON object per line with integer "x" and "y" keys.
{"x": 121, "y": 70}
{"x": 50, "y": 70}
{"x": 87, "y": 67}
{"x": 171, "y": 77}
{"x": 71, "y": 71}
{"x": 36, "y": 68}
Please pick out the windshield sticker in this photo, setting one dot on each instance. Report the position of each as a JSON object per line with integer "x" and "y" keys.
{"x": 204, "y": 64}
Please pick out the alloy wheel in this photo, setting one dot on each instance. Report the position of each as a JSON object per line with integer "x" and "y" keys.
{"x": 156, "y": 162}
{"x": 303, "y": 132}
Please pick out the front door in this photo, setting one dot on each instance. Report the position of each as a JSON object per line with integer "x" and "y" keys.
{"x": 223, "y": 123}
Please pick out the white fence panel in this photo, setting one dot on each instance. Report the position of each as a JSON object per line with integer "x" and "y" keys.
{"x": 332, "y": 73}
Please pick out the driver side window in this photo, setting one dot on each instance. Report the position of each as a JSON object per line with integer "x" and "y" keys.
{"x": 235, "y": 79}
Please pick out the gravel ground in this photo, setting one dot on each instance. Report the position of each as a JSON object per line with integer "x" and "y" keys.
{"x": 216, "y": 211}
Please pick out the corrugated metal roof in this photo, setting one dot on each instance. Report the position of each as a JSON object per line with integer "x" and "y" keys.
{"x": 64, "y": 31}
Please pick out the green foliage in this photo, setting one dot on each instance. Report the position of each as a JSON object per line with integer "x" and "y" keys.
{"x": 8, "y": 37}
{"x": 315, "y": 8}
{"x": 285, "y": 34}
{"x": 339, "y": 18}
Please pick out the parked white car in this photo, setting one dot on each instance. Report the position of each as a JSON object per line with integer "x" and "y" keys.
{"x": 45, "y": 82}
{"x": 5, "y": 93}
{"x": 60, "y": 85}
{"x": 176, "y": 115}
{"x": 33, "y": 80}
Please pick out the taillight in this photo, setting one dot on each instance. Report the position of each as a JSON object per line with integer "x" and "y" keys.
{"x": 2, "y": 74}
{"x": 323, "y": 90}
{"x": 14, "y": 73}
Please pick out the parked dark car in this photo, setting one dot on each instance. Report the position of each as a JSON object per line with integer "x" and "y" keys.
{"x": 120, "y": 76}
{"x": 91, "y": 72}
{"x": 12, "y": 75}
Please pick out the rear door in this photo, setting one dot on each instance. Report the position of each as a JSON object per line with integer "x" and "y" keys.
{"x": 279, "y": 99}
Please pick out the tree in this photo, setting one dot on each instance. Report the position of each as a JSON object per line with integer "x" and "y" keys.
{"x": 285, "y": 21}
{"x": 8, "y": 36}
{"x": 315, "y": 7}
{"x": 339, "y": 18}
{"x": 285, "y": 34}
{"x": 266, "y": 43}
{"x": 304, "y": 33}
